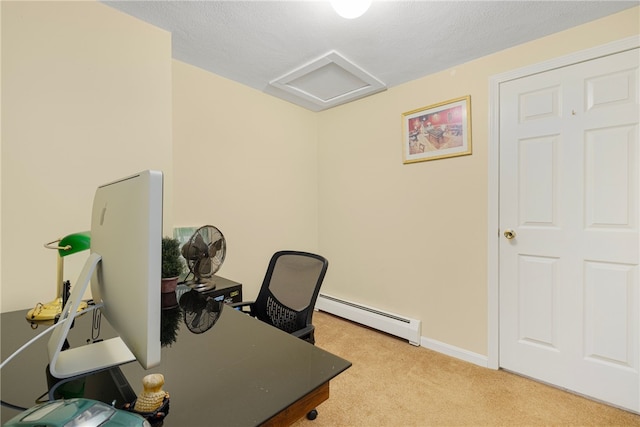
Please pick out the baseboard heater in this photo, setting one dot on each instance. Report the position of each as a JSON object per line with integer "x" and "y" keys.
{"x": 390, "y": 323}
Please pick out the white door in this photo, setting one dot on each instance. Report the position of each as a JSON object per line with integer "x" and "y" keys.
{"x": 569, "y": 190}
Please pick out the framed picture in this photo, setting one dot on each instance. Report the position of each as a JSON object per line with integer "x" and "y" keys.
{"x": 437, "y": 131}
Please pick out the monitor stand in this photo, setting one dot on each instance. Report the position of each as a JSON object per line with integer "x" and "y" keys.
{"x": 87, "y": 358}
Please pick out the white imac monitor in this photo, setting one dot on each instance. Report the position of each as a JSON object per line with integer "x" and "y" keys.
{"x": 124, "y": 269}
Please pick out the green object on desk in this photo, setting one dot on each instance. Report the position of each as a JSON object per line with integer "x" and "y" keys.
{"x": 74, "y": 243}
{"x": 68, "y": 245}
{"x": 75, "y": 412}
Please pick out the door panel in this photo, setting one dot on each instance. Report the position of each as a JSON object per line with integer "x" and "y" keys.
{"x": 537, "y": 287}
{"x": 538, "y": 200}
{"x": 609, "y": 304}
{"x": 610, "y": 149}
{"x": 569, "y": 186}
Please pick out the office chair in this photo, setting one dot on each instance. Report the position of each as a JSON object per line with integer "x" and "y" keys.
{"x": 288, "y": 295}
{"x": 289, "y": 292}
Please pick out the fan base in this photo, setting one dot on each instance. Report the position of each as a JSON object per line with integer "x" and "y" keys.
{"x": 201, "y": 286}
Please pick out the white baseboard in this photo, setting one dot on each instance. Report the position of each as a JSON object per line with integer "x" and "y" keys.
{"x": 394, "y": 324}
{"x": 390, "y": 323}
{"x": 458, "y": 353}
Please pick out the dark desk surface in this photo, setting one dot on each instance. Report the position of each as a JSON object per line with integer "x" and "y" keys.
{"x": 240, "y": 372}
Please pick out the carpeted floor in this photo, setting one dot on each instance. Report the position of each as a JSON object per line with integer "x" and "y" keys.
{"x": 393, "y": 383}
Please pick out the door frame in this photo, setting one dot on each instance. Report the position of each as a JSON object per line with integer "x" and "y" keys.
{"x": 493, "y": 229}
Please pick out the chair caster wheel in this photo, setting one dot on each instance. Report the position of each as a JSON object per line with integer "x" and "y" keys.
{"x": 312, "y": 415}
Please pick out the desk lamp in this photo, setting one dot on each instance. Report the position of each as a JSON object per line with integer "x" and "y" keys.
{"x": 68, "y": 245}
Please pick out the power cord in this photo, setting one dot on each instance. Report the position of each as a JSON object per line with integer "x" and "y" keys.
{"x": 33, "y": 340}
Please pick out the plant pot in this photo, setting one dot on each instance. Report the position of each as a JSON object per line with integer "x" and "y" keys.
{"x": 168, "y": 300}
{"x": 169, "y": 284}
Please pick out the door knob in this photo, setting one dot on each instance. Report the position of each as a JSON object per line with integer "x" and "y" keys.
{"x": 509, "y": 233}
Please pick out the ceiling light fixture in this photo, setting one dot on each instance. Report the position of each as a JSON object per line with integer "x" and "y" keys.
{"x": 350, "y": 9}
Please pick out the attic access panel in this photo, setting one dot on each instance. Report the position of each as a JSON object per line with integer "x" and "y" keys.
{"x": 329, "y": 81}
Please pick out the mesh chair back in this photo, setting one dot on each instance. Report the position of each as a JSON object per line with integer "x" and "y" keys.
{"x": 290, "y": 289}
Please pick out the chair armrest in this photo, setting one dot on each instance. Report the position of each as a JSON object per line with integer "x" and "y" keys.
{"x": 243, "y": 306}
{"x": 304, "y": 333}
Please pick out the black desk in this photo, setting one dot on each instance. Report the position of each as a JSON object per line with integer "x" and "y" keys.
{"x": 225, "y": 290}
{"x": 240, "y": 372}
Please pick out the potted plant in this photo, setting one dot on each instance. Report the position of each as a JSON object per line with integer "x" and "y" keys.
{"x": 172, "y": 266}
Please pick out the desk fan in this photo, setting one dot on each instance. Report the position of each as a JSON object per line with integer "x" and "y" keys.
{"x": 204, "y": 252}
{"x": 201, "y": 311}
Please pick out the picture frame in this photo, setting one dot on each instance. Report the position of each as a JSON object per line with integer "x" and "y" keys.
{"x": 438, "y": 131}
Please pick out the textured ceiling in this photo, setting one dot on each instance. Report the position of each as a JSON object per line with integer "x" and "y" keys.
{"x": 258, "y": 42}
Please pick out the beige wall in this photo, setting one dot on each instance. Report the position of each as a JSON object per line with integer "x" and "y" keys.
{"x": 86, "y": 99}
{"x": 80, "y": 80}
{"x": 412, "y": 239}
{"x": 247, "y": 163}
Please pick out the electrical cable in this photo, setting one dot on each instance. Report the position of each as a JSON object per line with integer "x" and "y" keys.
{"x": 20, "y": 350}
{"x": 12, "y": 406}
{"x": 31, "y": 341}
{"x": 41, "y": 334}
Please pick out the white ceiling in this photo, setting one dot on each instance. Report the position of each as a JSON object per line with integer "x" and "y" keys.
{"x": 267, "y": 44}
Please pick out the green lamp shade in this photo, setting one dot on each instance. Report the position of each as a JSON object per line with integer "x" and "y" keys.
{"x": 73, "y": 243}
